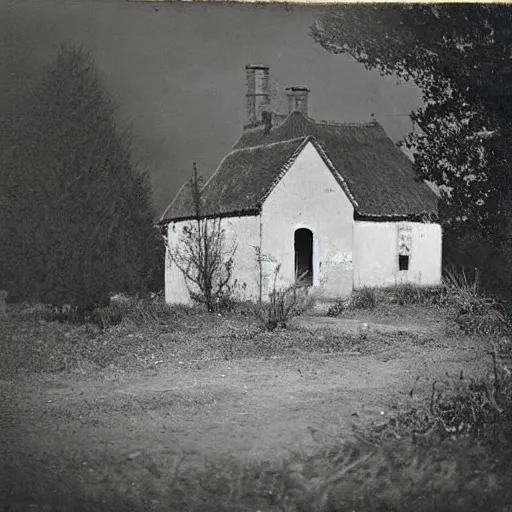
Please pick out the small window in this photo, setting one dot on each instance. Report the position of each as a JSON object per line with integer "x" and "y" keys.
{"x": 403, "y": 262}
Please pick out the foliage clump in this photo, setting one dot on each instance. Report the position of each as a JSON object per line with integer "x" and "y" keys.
{"x": 410, "y": 294}
{"x": 77, "y": 219}
{"x": 474, "y": 312}
{"x": 476, "y": 408}
{"x": 284, "y": 303}
{"x": 363, "y": 298}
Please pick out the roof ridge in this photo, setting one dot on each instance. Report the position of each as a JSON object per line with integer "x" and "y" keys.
{"x": 284, "y": 118}
{"x": 267, "y": 144}
{"x": 345, "y": 123}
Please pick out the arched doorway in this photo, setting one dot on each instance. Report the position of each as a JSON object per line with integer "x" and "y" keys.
{"x": 304, "y": 255}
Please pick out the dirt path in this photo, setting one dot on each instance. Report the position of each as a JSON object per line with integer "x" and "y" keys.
{"x": 250, "y": 409}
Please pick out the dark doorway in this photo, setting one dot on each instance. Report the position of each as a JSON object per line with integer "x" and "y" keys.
{"x": 304, "y": 256}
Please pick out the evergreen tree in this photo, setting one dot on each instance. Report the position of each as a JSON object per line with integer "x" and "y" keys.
{"x": 77, "y": 220}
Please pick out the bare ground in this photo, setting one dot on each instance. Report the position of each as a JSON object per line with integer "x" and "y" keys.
{"x": 138, "y": 424}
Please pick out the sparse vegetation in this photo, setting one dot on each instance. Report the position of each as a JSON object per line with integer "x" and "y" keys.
{"x": 283, "y": 304}
{"x": 344, "y": 475}
{"x": 435, "y": 451}
{"x": 475, "y": 313}
{"x": 363, "y": 298}
{"x": 126, "y": 334}
{"x": 134, "y": 333}
{"x": 407, "y": 294}
{"x": 201, "y": 255}
{"x": 475, "y": 408}
{"x": 337, "y": 307}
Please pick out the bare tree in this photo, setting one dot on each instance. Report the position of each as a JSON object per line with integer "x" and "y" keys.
{"x": 200, "y": 253}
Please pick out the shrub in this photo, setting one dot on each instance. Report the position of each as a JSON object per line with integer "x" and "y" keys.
{"x": 284, "y": 304}
{"x": 229, "y": 299}
{"x": 338, "y": 307}
{"x": 459, "y": 407}
{"x": 201, "y": 253}
{"x": 480, "y": 408}
{"x": 491, "y": 261}
{"x": 409, "y": 294}
{"x": 137, "y": 311}
{"x": 475, "y": 313}
{"x": 364, "y": 298}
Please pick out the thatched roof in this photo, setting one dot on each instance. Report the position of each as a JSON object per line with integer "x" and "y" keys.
{"x": 376, "y": 176}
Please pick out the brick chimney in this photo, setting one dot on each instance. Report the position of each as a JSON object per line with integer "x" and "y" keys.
{"x": 297, "y": 99}
{"x": 258, "y": 93}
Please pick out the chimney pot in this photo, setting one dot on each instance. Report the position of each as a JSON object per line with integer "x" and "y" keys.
{"x": 258, "y": 92}
{"x": 297, "y": 99}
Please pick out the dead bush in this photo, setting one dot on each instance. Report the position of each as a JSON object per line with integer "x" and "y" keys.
{"x": 285, "y": 303}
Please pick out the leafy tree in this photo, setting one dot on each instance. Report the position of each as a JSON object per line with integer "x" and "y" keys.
{"x": 460, "y": 58}
{"x": 76, "y": 210}
{"x": 201, "y": 255}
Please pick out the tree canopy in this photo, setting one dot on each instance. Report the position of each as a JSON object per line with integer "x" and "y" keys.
{"x": 77, "y": 220}
{"x": 460, "y": 57}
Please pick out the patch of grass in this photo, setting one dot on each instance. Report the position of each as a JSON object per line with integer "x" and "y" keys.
{"x": 475, "y": 409}
{"x": 410, "y": 294}
{"x": 480, "y": 408}
{"x": 146, "y": 340}
{"x": 285, "y": 303}
{"x": 363, "y": 298}
{"x": 341, "y": 476}
{"x": 134, "y": 311}
{"x": 339, "y": 306}
{"x": 137, "y": 311}
{"x": 475, "y": 313}
{"x": 151, "y": 335}
{"x": 129, "y": 334}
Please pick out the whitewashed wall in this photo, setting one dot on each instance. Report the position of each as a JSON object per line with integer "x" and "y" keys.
{"x": 242, "y": 231}
{"x": 308, "y": 196}
{"x": 376, "y": 254}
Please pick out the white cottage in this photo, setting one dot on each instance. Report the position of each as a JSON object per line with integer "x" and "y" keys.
{"x": 338, "y": 201}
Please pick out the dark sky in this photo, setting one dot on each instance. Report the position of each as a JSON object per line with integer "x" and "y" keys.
{"x": 178, "y": 71}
